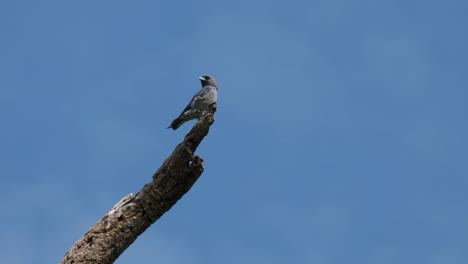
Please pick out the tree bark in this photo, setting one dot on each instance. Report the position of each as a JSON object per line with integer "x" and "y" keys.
{"x": 132, "y": 215}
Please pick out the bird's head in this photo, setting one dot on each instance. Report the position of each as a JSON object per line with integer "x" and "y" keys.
{"x": 207, "y": 80}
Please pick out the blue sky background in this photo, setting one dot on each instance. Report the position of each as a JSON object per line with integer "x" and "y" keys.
{"x": 341, "y": 134}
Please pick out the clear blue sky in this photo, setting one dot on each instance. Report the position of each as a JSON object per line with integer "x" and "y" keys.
{"x": 341, "y": 134}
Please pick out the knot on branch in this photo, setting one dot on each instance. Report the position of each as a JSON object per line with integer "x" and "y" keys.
{"x": 212, "y": 108}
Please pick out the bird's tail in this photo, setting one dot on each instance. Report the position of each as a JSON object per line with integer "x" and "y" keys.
{"x": 176, "y": 123}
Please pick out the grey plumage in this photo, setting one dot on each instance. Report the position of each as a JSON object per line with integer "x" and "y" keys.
{"x": 200, "y": 102}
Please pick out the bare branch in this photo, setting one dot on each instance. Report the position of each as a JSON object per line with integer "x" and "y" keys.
{"x": 132, "y": 215}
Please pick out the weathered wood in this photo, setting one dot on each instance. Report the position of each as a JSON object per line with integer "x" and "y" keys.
{"x": 132, "y": 215}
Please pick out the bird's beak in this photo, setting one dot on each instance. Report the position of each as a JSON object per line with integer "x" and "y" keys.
{"x": 201, "y": 78}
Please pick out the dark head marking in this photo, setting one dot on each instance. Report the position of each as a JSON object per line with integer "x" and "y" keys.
{"x": 207, "y": 80}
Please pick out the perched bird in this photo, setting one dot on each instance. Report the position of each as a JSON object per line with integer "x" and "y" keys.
{"x": 199, "y": 103}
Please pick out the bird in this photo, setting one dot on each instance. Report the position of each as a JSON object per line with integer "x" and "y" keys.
{"x": 200, "y": 102}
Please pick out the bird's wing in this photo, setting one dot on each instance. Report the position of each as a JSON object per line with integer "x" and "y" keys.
{"x": 200, "y": 95}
